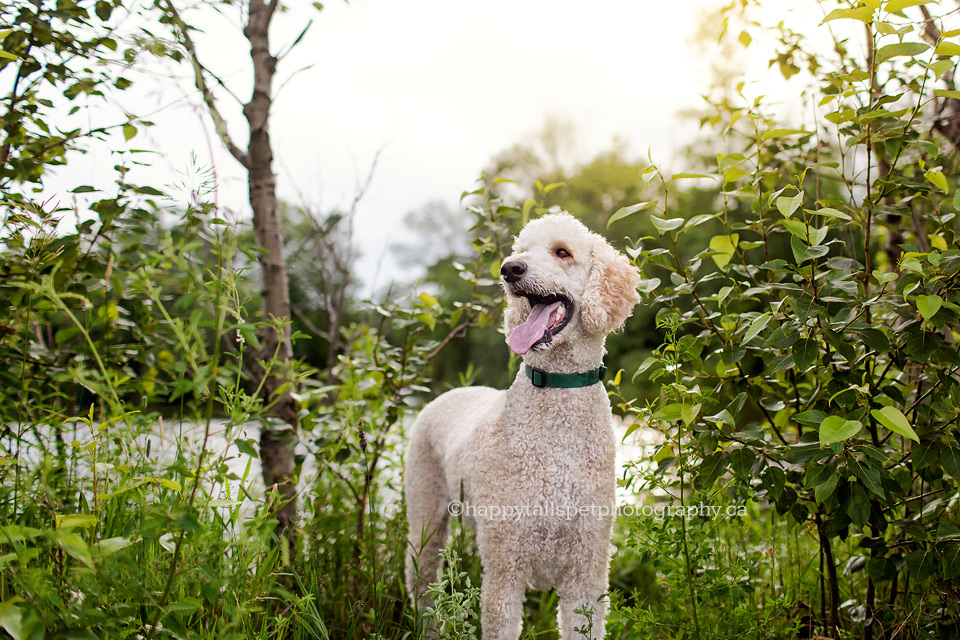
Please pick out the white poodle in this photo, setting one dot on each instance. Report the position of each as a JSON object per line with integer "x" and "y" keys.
{"x": 535, "y": 463}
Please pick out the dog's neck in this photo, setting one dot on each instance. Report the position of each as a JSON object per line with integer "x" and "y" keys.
{"x": 584, "y": 354}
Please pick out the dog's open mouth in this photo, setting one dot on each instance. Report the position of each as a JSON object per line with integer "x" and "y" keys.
{"x": 548, "y": 316}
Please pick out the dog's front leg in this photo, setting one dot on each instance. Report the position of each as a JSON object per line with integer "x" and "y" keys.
{"x": 582, "y": 593}
{"x": 501, "y": 604}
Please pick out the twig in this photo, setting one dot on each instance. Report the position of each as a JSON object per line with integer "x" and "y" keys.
{"x": 198, "y": 72}
{"x": 458, "y": 332}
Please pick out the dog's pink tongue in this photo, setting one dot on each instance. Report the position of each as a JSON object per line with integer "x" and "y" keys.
{"x": 524, "y": 336}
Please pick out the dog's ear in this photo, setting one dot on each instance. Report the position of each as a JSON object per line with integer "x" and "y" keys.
{"x": 611, "y": 291}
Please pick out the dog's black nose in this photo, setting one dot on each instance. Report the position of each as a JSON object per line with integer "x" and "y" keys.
{"x": 512, "y": 270}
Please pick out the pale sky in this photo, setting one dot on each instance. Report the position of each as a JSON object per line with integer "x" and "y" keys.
{"x": 437, "y": 87}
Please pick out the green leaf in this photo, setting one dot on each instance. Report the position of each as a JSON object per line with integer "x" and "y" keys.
{"x": 727, "y": 160}
{"x": 103, "y": 10}
{"x": 723, "y": 417}
{"x": 698, "y": 220}
{"x": 805, "y": 352}
{"x": 863, "y": 14}
{"x": 951, "y": 558}
{"x": 528, "y": 206}
{"x": 922, "y": 345}
{"x": 756, "y": 327}
{"x": 670, "y": 413}
{"x": 427, "y": 319}
{"x": 629, "y": 211}
{"x": 687, "y": 176}
{"x": 948, "y": 49}
{"x": 802, "y": 253}
{"x": 787, "y": 206}
{"x": 831, "y": 213}
{"x": 688, "y": 414}
{"x": 665, "y": 451}
{"x": 129, "y": 131}
{"x": 811, "y": 418}
{"x": 825, "y": 489}
{"x": 837, "y": 429}
{"x": 15, "y": 533}
{"x": 76, "y": 547}
{"x": 886, "y": 277}
{"x": 246, "y": 446}
{"x": 745, "y": 38}
{"x": 81, "y": 520}
{"x": 724, "y": 247}
{"x": 858, "y": 508}
{"x": 946, "y": 93}
{"x": 173, "y": 484}
{"x": 428, "y": 299}
{"x": 929, "y": 305}
{"x": 741, "y": 461}
{"x": 10, "y": 620}
{"x": 875, "y": 339}
{"x": 648, "y": 286}
{"x": 900, "y": 49}
{"x": 733, "y": 174}
{"x": 894, "y": 420}
{"x": 663, "y": 226}
{"x": 940, "y": 67}
{"x": 110, "y": 546}
{"x": 950, "y": 459}
{"x": 810, "y": 235}
{"x": 779, "y": 133}
{"x": 550, "y": 187}
{"x": 900, "y": 5}
{"x": 937, "y": 179}
{"x": 712, "y": 466}
{"x": 186, "y": 605}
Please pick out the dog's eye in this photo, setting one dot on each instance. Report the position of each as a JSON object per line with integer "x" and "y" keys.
{"x": 562, "y": 253}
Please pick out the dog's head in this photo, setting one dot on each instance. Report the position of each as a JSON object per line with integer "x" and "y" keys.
{"x": 563, "y": 279}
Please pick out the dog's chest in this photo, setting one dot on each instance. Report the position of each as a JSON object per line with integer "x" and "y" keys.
{"x": 562, "y": 445}
{"x": 564, "y": 475}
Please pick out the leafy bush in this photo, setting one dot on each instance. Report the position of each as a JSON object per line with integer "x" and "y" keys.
{"x": 810, "y": 361}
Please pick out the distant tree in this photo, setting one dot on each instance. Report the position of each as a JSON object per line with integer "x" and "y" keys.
{"x": 320, "y": 258}
{"x": 431, "y": 233}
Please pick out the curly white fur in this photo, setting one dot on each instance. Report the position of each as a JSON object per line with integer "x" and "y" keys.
{"x": 528, "y": 447}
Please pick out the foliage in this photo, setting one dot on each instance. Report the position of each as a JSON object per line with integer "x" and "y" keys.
{"x": 457, "y": 600}
{"x": 51, "y": 53}
{"x": 111, "y": 527}
{"x": 809, "y": 364}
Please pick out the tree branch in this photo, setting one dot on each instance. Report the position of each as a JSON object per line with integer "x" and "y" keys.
{"x": 208, "y": 98}
{"x": 458, "y": 332}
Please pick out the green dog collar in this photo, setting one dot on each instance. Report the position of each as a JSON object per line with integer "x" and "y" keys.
{"x": 543, "y": 379}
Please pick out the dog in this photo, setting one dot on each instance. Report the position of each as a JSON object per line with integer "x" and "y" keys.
{"x": 534, "y": 464}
